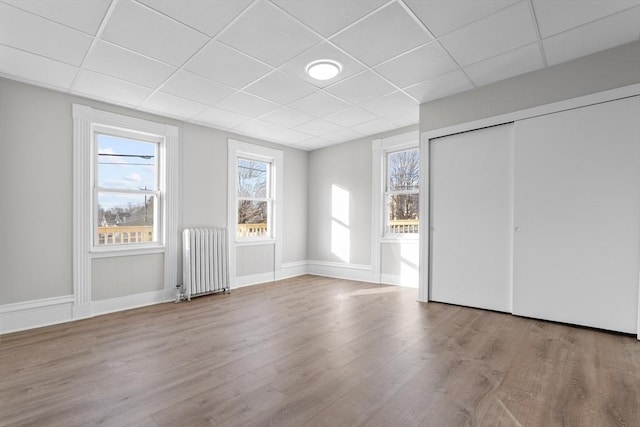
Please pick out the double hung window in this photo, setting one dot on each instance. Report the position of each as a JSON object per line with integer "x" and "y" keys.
{"x": 402, "y": 192}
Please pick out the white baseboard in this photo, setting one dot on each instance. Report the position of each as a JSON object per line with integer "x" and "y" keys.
{"x": 338, "y": 270}
{"x": 34, "y": 314}
{"x": 252, "y": 279}
{"x": 292, "y": 269}
{"x": 127, "y": 302}
{"x": 399, "y": 280}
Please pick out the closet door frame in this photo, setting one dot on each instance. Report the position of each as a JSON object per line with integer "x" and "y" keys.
{"x": 427, "y": 136}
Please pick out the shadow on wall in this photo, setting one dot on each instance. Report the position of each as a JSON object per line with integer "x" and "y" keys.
{"x": 340, "y": 232}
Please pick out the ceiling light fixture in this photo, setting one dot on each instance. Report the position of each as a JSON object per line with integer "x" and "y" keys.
{"x": 324, "y": 69}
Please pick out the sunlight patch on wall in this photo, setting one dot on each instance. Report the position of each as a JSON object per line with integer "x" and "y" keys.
{"x": 340, "y": 232}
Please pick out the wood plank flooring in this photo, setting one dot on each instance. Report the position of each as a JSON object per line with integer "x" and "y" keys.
{"x": 312, "y": 351}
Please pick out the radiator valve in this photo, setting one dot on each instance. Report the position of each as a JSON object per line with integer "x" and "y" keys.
{"x": 178, "y": 293}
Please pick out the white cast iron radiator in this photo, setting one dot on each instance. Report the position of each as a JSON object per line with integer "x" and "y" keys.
{"x": 205, "y": 262}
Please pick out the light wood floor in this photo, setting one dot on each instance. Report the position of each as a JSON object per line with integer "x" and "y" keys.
{"x": 318, "y": 352}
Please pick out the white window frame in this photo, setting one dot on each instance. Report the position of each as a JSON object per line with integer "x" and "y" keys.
{"x": 158, "y": 193}
{"x": 270, "y": 199}
{"x": 387, "y": 194}
{"x": 238, "y": 149}
{"x": 85, "y": 121}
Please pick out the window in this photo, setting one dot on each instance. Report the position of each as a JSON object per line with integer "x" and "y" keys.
{"x": 254, "y": 199}
{"x": 402, "y": 192}
{"x": 126, "y": 192}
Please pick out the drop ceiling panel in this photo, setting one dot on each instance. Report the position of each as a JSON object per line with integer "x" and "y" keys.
{"x": 287, "y": 117}
{"x": 280, "y": 87}
{"x": 329, "y": 16}
{"x": 124, "y": 64}
{"x": 382, "y": 35}
{"x": 561, "y": 15}
{"x": 109, "y": 89}
{"x": 342, "y": 135}
{"x": 297, "y": 66}
{"x": 351, "y": 116}
{"x": 417, "y": 65}
{"x": 503, "y": 31}
{"x": 36, "y": 68}
{"x": 612, "y": 31}
{"x": 318, "y": 127}
{"x": 361, "y": 87}
{"x": 246, "y": 104}
{"x": 269, "y": 34}
{"x": 225, "y": 65}
{"x": 443, "y": 16}
{"x": 270, "y": 132}
{"x": 313, "y": 144}
{"x": 207, "y": 16}
{"x": 374, "y": 126}
{"x": 83, "y": 15}
{"x": 220, "y": 118}
{"x": 390, "y": 104}
{"x": 192, "y": 86}
{"x": 405, "y": 118}
{"x": 26, "y": 31}
{"x": 172, "y": 105}
{"x": 319, "y": 104}
{"x": 143, "y": 30}
{"x": 439, "y": 87}
{"x": 513, "y": 63}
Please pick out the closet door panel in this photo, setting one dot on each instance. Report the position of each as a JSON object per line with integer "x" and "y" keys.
{"x": 577, "y": 209}
{"x": 471, "y": 189}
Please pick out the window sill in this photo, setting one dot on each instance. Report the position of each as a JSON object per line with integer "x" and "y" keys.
{"x": 255, "y": 242}
{"x": 399, "y": 239}
{"x": 124, "y": 251}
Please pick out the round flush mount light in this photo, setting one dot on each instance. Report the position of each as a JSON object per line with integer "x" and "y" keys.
{"x": 324, "y": 69}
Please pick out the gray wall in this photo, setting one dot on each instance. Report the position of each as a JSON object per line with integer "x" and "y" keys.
{"x": 347, "y": 166}
{"x": 602, "y": 71}
{"x": 36, "y": 167}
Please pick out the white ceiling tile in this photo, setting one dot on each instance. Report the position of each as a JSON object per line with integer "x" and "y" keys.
{"x": 319, "y": 104}
{"x": 196, "y": 88}
{"x": 220, "y": 118}
{"x": 83, "y": 15}
{"x": 318, "y": 127}
{"x": 561, "y": 15}
{"x": 280, "y": 87}
{"x": 342, "y": 135}
{"x": 443, "y": 16}
{"x": 374, "y": 126}
{"x": 109, "y": 89}
{"x": 173, "y": 106}
{"x": 207, "y": 16}
{"x": 329, "y": 16}
{"x": 361, "y": 87}
{"x": 271, "y": 132}
{"x": 405, "y": 118}
{"x": 350, "y": 117}
{"x": 313, "y": 144}
{"x": 298, "y": 65}
{"x": 118, "y": 62}
{"x": 495, "y": 34}
{"x": 269, "y": 34}
{"x": 390, "y": 104}
{"x": 287, "y": 117}
{"x": 32, "y": 33}
{"x": 36, "y": 69}
{"x": 609, "y": 32}
{"x": 448, "y": 84}
{"x": 516, "y": 62}
{"x": 246, "y": 104}
{"x": 418, "y": 65}
{"x": 382, "y": 35}
{"x": 225, "y": 65}
{"x": 142, "y": 30}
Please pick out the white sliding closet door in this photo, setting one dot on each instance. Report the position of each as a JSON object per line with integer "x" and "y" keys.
{"x": 577, "y": 206}
{"x": 471, "y": 189}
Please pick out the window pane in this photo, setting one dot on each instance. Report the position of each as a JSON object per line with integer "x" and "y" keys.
{"x": 252, "y": 178}
{"x": 403, "y": 213}
{"x": 252, "y": 218}
{"x": 126, "y": 163}
{"x": 403, "y": 170}
{"x": 125, "y": 218}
